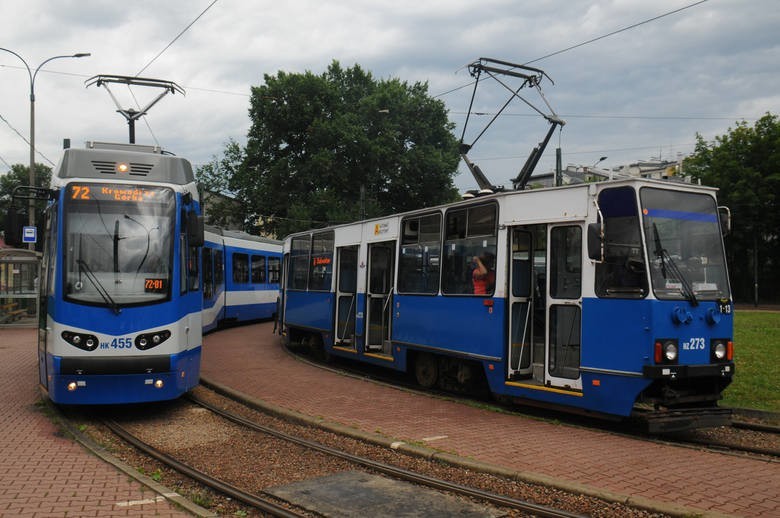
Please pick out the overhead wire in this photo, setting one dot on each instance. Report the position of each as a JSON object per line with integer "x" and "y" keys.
{"x": 592, "y": 40}
{"x": 148, "y": 126}
{"x": 176, "y": 38}
{"x": 25, "y": 140}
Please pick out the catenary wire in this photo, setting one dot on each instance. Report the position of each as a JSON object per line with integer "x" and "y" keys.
{"x": 592, "y": 40}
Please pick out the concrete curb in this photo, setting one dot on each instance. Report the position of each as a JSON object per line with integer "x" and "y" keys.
{"x": 455, "y": 460}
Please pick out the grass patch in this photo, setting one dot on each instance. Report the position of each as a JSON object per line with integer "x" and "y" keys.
{"x": 756, "y": 346}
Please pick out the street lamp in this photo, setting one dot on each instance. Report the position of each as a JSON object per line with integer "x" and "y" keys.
{"x": 598, "y": 162}
{"x": 32, "y": 75}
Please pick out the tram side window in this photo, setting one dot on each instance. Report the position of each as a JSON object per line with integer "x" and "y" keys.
{"x": 274, "y": 270}
{"x": 219, "y": 268}
{"x": 565, "y": 262}
{"x": 299, "y": 263}
{"x": 188, "y": 262}
{"x": 193, "y": 272}
{"x": 623, "y": 272}
{"x": 469, "y": 264}
{"x": 258, "y": 269}
{"x": 321, "y": 265}
{"x": 240, "y": 268}
{"x": 208, "y": 274}
{"x": 418, "y": 269}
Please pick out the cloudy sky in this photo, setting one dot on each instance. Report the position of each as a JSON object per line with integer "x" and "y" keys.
{"x": 627, "y": 90}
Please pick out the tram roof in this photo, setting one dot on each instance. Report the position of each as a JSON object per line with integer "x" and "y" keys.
{"x": 142, "y": 165}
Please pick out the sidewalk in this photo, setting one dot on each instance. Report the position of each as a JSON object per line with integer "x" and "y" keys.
{"x": 43, "y": 473}
{"x": 250, "y": 360}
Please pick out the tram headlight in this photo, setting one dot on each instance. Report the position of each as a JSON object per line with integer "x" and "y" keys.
{"x": 72, "y": 386}
{"x": 83, "y": 341}
{"x": 670, "y": 351}
{"x": 666, "y": 351}
{"x": 721, "y": 350}
{"x": 148, "y": 340}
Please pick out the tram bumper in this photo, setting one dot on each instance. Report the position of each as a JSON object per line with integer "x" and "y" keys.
{"x": 684, "y": 397}
{"x": 716, "y": 370}
{"x": 682, "y": 419}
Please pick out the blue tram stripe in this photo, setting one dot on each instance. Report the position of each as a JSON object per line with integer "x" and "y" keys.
{"x": 678, "y": 214}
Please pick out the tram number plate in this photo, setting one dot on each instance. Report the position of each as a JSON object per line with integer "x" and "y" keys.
{"x": 724, "y": 305}
{"x": 694, "y": 344}
{"x": 118, "y": 343}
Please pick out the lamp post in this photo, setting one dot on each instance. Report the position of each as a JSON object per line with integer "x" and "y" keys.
{"x": 32, "y": 75}
{"x": 597, "y": 162}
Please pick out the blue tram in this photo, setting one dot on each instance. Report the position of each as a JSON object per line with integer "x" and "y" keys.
{"x": 120, "y": 313}
{"x": 128, "y": 282}
{"x": 610, "y": 299}
{"x": 250, "y": 289}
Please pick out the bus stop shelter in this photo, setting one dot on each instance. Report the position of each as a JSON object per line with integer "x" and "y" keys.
{"x": 19, "y": 270}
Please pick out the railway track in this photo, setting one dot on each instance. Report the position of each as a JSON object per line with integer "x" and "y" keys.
{"x": 745, "y": 436}
{"x": 394, "y": 471}
{"x": 265, "y": 505}
{"x": 135, "y": 432}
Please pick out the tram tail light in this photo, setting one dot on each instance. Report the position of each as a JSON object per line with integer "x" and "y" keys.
{"x": 665, "y": 351}
{"x": 730, "y": 350}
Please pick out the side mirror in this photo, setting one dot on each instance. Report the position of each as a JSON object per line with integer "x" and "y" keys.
{"x": 596, "y": 242}
{"x": 724, "y": 217}
{"x": 12, "y": 226}
{"x": 195, "y": 235}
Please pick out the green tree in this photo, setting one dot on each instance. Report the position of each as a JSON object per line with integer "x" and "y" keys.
{"x": 214, "y": 181}
{"x": 336, "y": 147}
{"x": 745, "y": 165}
{"x": 19, "y": 176}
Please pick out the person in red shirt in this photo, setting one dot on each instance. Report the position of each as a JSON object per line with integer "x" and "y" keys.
{"x": 483, "y": 278}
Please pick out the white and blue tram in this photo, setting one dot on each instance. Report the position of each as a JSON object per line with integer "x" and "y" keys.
{"x": 130, "y": 280}
{"x": 120, "y": 313}
{"x": 610, "y": 298}
{"x": 250, "y": 289}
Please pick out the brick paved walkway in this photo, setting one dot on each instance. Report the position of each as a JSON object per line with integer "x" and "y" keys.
{"x": 44, "y": 474}
{"x": 249, "y": 359}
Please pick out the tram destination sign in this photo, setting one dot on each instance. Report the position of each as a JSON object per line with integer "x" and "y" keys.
{"x": 110, "y": 192}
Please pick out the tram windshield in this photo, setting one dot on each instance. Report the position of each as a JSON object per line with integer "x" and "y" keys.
{"x": 684, "y": 245}
{"x": 118, "y": 247}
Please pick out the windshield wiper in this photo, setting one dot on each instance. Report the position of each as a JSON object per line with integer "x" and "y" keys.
{"x": 667, "y": 261}
{"x": 148, "y": 240}
{"x": 98, "y": 286}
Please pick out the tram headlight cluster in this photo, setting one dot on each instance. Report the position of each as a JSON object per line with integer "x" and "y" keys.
{"x": 721, "y": 350}
{"x": 83, "y": 341}
{"x": 666, "y": 351}
{"x": 148, "y": 340}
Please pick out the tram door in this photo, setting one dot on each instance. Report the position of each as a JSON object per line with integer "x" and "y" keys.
{"x": 520, "y": 303}
{"x": 379, "y": 294}
{"x": 564, "y": 306}
{"x": 346, "y": 295}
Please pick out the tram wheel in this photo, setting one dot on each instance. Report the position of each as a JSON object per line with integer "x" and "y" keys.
{"x": 426, "y": 370}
